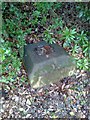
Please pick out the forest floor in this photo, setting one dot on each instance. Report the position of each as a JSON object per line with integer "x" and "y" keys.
{"x": 68, "y": 98}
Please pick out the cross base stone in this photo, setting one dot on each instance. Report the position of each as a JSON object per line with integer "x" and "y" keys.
{"x": 43, "y": 69}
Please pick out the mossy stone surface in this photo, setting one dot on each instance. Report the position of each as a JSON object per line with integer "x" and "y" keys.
{"x": 44, "y": 70}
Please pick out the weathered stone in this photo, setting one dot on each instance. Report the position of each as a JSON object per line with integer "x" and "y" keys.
{"x": 44, "y": 69}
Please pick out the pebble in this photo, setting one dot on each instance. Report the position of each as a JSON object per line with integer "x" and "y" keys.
{"x": 23, "y": 102}
{"x": 79, "y": 106}
{"x": 84, "y": 93}
{"x": 1, "y": 110}
{"x": 75, "y": 109}
{"x": 4, "y": 106}
{"x": 16, "y": 99}
{"x": 1, "y": 102}
{"x": 84, "y": 111}
{"x": 21, "y": 109}
{"x": 51, "y": 108}
{"x": 28, "y": 102}
{"x": 72, "y": 113}
{"x": 11, "y": 111}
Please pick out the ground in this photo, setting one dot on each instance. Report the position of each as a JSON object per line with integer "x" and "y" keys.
{"x": 67, "y": 98}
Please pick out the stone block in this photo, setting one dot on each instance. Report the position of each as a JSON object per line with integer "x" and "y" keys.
{"x": 46, "y": 63}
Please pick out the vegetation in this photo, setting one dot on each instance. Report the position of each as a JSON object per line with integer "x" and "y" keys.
{"x": 22, "y": 19}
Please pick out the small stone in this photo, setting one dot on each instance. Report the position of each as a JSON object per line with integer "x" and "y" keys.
{"x": 72, "y": 113}
{"x": 82, "y": 71}
{"x": 1, "y": 110}
{"x": 75, "y": 109}
{"x": 84, "y": 111}
{"x": 28, "y": 102}
{"x": 11, "y": 111}
{"x": 2, "y": 98}
{"x": 21, "y": 109}
{"x": 1, "y": 102}
{"x": 78, "y": 71}
{"x": 78, "y": 106}
{"x": 51, "y": 108}
{"x": 23, "y": 102}
{"x": 16, "y": 99}
{"x": 4, "y": 105}
{"x": 84, "y": 93}
{"x": 83, "y": 116}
